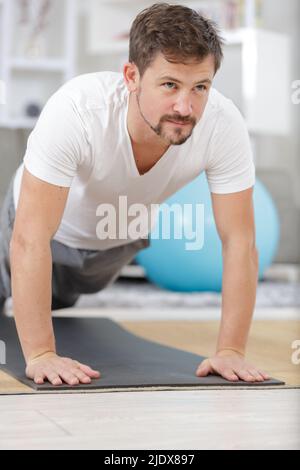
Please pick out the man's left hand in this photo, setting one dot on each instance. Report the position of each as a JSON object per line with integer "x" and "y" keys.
{"x": 232, "y": 366}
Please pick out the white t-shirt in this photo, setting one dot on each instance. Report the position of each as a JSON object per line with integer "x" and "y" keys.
{"x": 81, "y": 141}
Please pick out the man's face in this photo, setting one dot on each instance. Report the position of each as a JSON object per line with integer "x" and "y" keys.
{"x": 172, "y": 97}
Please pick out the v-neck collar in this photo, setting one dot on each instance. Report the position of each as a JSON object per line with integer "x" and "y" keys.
{"x": 133, "y": 166}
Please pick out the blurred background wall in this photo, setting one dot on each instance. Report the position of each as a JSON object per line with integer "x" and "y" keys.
{"x": 277, "y": 156}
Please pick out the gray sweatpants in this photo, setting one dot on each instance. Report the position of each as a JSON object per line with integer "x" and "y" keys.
{"x": 74, "y": 271}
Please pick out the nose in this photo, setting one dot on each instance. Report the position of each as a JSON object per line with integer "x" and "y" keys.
{"x": 183, "y": 106}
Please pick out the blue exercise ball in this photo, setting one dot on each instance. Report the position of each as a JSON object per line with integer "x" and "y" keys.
{"x": 169, "y": 264}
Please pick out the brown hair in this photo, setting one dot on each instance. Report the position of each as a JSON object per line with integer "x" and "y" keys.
{"x": 178, "y": 32}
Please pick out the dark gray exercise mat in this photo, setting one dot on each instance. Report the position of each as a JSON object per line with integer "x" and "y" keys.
{"x": 124, "y": 359}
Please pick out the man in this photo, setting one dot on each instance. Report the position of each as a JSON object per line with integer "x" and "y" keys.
{"x": 142, "y": 136}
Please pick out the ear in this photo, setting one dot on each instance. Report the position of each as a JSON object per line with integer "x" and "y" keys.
{"x": 131, "y": 76}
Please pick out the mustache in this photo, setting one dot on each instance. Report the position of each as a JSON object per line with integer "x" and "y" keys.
{"x": 179, "y": 119}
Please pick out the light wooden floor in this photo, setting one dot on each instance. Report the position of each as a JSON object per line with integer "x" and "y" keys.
{"x": 227, "y": 419}
{"x": 186, "y": 419}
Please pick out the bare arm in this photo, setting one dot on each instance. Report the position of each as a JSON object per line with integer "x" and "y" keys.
{"x": 40, "y": 209}
{"x": 234, "y": 216}
{"x": 38, "y": 215}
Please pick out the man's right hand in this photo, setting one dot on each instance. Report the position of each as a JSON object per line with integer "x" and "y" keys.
{"x": 58, "y": 370}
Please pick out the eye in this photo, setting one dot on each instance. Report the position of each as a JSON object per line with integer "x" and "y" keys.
{"x": 202, "y": 87}
{"x": 168, "y": 83}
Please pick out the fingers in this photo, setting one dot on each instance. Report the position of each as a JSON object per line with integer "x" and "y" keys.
{"x": 264, "y": 374}
{"x": 58, "y": 370}
{"x": 88, "y": 370}
{"x": 204, "y": 369}
{"x": 68, "y": 377}
{"x": 230, "y": 375}
{"x": 231, "y": 372}
{"x": 246, "y": 376}
{"x": 259, "y": 376}
{"x": 81, "y": 376}
{"x": 252, "y": 375}
{"x": 39, "y": 379}
{"x": 83, "y": 372}
{"x": 53, "y": 377}
{"x": 256, "y": 377}
{"x": 58, "y": 376}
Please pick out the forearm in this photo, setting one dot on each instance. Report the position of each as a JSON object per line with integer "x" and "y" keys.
{"x": 240, "y": 275}
{"x": 31, "y": 272}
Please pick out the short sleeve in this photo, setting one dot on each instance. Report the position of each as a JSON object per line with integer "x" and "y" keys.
{"x": 230, "y": 166}
{"x": 56, "y": 146}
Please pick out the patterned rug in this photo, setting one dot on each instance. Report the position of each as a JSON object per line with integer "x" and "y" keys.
{"x": 138, "y": 293}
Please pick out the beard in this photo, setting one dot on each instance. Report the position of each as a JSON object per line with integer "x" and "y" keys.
{"x": 178, "y": 135}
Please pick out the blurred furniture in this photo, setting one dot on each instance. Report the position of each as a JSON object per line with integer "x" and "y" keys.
{"x": 37, "y": 54}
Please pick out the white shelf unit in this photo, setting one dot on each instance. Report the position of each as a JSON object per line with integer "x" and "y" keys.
{"x": 19, "y": 63}
{"x": 32, "y": 79}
